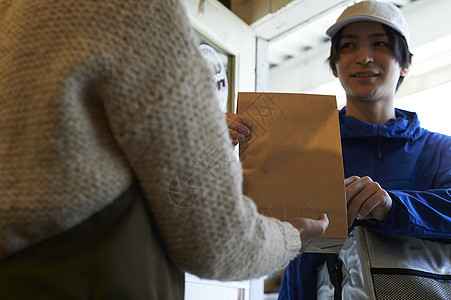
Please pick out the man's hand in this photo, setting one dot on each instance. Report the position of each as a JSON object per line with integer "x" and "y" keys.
{"x": 239, "y": 127}
{"x": 366, "y": 199}
{"x": 309, "y": 228}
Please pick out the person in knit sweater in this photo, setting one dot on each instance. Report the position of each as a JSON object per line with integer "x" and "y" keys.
{"x": 117, "y": 172}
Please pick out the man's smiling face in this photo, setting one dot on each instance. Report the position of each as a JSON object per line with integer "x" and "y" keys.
{"x": 366, "y": 66}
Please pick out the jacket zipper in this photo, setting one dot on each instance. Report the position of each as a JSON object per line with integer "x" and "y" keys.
{"x": 379, "y": 143}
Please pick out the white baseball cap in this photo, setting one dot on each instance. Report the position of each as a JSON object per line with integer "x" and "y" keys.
{"x": 375, "y": 11}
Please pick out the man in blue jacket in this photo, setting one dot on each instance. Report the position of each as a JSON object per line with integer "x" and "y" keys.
{"x": 398, "y": 175}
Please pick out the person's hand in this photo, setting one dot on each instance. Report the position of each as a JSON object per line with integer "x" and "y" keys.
{"x": 366, "y": 199}
{"x": 309, "y": 228}
{"x": 239, "y": 127}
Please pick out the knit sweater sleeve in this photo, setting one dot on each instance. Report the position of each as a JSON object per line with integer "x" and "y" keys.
{"x": 162, "y": 107}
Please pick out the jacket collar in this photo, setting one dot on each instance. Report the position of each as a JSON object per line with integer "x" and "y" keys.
{"x": 405, "y": 126}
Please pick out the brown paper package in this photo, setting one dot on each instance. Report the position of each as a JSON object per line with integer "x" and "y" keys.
{"x": 292, "y": 162}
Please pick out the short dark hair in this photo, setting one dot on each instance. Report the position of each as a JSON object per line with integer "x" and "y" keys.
{"x": 400, "y": 49}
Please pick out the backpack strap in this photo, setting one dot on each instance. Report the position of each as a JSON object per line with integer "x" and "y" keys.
{"x": 334, "y": 266}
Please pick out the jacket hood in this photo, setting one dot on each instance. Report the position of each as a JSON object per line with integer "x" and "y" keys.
{"x": 405, "y": 126}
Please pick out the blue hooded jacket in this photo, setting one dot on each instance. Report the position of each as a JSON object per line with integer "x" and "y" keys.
{"x": 411, "y": 163}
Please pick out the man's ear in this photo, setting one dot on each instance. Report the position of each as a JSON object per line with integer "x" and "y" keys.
{"x": 405, "y": 71}
{"x": 335, "y": 74}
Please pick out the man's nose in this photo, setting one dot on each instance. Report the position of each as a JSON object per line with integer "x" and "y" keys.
{"x": 365, "y": 56}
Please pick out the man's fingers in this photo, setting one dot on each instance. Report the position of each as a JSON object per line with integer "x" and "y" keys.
{"x": 356, "y": 194}
{"x": 352, "y": 189}
{"x": 366, "y": 199}
{"x": 350, "y": 180}
{"x": 353, "y": 212}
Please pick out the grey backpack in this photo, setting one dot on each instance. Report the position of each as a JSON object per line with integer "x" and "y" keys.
{"x": 373, "y": 265}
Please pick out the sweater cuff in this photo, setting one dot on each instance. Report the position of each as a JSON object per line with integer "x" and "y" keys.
{"x": 292, "y": 240}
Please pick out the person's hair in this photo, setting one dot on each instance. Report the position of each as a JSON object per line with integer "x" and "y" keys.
{"x": 399, "y": 45}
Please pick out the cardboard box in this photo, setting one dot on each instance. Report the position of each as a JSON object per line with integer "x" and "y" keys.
{"x": 292, "y": 163}
{"x": 251, "y": 11}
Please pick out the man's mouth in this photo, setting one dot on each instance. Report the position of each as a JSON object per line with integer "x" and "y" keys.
{"x": 364, "y": 74}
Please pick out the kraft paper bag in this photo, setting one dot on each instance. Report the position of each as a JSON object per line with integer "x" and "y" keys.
{"x": 292, "y": 162}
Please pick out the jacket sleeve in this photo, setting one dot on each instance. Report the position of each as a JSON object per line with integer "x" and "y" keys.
{"x": 425, "y": 213}
{"x": 163, "y": 109}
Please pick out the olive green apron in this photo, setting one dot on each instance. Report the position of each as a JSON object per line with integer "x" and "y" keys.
{"x": 116, "y": 254}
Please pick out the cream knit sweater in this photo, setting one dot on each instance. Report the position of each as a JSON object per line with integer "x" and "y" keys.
{"x": 95, "y": 95}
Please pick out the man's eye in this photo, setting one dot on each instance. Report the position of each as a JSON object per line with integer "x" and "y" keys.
{"x": 346, "y": 45}
{"x": 381, "y": 44}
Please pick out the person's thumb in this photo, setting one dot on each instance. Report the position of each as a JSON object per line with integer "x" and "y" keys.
{"x": 324, "y": 223}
